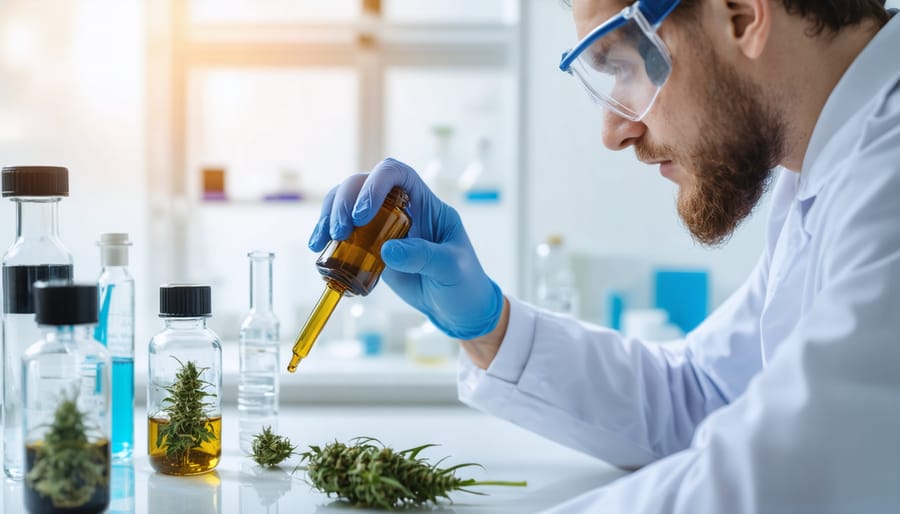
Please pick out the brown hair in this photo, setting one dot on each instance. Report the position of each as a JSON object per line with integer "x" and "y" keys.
{"x": 830, "y": 15}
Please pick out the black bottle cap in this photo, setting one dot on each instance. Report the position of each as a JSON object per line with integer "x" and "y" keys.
{"x": 35, "y": 181}
{"x": 185, "y": 301}
{"x": 65, "y": 303}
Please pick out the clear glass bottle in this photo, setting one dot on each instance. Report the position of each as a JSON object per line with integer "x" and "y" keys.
{"x": 367, "y": 324}
{"x": 555, "y": 284}
{"x": 37, "y": 254}
{"x": 258, "y": 382}
{"x": 428, "y": 346}
{"x": 440, "y": 172}
{"x": 184, "y": 382}
{"x": 115, "y": 330}
{"x": 66, "y": 386}
{"x": 479, "y": 182}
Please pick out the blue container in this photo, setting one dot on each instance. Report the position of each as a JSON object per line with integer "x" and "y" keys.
{"x": 684, "y": 294}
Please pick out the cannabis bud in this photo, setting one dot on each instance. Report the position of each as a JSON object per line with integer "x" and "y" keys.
{"x": 188, "y": 425}
{"x": 269, "y": 449}
{"x": 68, "y": 468}
{"x": 368, "y": 474}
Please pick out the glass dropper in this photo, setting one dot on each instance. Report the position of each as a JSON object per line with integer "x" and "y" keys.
{"x": 315, "y": 323}
{"x": 352, "y": 267}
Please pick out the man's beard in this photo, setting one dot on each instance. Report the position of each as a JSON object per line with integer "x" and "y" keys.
{"x": 741, "y": 141}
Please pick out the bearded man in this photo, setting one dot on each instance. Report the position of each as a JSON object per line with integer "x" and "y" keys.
{"x": 786, "y": 399}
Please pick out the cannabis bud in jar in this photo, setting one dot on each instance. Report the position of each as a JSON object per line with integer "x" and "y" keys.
{"x": 66, "y": 470}
{"x": 65, "y": 386}
{"x": 183, "y": 438}
{"x": 184, "y": 401}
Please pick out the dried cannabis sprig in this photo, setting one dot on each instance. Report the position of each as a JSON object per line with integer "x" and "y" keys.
{"x": 67, "y": 467}
{"x": 188, "y": 425}
{"x": 368, "y": 474}
{"x": 269, "y": 449}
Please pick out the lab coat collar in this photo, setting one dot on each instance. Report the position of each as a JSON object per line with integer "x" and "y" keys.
{"x": 872, "y": 69}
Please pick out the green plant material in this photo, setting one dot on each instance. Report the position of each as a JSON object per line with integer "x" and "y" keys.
{"x": 368, "y": 474}
{"x": 67, "y": 467}
{"x": 188, "y": 425}
{"x": 270, "y": 449}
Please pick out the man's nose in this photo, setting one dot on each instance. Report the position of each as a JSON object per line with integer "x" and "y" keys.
{"x": 619, "y": 133}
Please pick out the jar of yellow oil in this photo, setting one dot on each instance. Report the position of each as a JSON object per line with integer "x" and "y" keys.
{"x": 352, "y": 267}
{"x": 184, "y": 387}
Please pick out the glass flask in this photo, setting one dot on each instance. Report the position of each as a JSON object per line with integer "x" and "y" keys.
{"x": 440, "y": 172}
{"x": 184, "y": 387}
{"x": 258, "y": 382}
{"x": 555, "y": 281}
{"x": 66, "y": 386}
{"x": 479, "y": 181}
{"x": 37, "y": 254}
{"x": 115, "y": 329}
{"x": 352, "y": 267}
{"x": 428, "y": 346}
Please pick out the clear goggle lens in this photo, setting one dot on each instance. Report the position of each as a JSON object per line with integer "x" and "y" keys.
{"x": 625, "y": 68}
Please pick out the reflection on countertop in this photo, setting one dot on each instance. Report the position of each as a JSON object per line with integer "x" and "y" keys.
{"x": 239, "y": 486}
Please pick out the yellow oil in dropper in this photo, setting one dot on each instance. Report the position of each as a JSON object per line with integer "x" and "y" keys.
{"x": 352, "y": 267}
{"x": 314, "y": 325}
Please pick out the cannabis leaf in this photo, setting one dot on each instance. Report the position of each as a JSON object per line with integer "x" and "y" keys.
{"x": 368, "y": 474}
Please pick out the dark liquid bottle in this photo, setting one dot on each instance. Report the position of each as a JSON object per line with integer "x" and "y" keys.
{"x": 66, "y": 398}
{"x": 352, "y": 267}
{"x": 37, "y": 254}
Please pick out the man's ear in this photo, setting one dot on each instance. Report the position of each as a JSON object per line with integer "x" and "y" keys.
{"x": 747, "y": 23}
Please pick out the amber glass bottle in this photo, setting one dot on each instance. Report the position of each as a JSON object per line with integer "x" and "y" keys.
{"x": 352, "y": 267}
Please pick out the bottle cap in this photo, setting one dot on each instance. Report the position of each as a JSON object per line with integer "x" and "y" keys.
{"x": 65, "y": 303}
{"x": 114, "y": 249}
{"x": 35, "y": 181}
{"x": 185, "y": 301}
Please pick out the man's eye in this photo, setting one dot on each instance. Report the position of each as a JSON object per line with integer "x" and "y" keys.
{"x": 621, "y": 69}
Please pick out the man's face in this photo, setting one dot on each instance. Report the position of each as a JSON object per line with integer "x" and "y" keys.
{"x": 711, "y": 131}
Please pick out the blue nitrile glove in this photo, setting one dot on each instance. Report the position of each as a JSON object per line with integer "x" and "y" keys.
{"x": 434, "y": 268}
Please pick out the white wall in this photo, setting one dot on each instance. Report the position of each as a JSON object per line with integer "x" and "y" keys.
{"x": 72, "y": 95}
{"x": 606, "y": 204}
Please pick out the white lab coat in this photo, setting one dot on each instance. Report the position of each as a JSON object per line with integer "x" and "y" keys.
{"x": 787, "y": 398}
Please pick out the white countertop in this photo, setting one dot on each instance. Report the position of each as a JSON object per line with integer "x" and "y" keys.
{"x": 554, "y": 473}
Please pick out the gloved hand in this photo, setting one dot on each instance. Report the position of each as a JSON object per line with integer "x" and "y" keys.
{"x": 434, "y": 268}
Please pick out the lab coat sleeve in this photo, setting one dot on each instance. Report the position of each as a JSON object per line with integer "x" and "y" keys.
{"x": 819, "y": 430}
{"x": 586, "y": 387}
{"x": 624, "y": 401}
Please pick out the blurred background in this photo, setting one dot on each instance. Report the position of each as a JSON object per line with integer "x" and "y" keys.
{"x": 209, "y": 128}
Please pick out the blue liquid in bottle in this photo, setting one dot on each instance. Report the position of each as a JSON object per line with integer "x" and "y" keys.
{"x": 122, "y": 408}
{"x": 116, "y": 331}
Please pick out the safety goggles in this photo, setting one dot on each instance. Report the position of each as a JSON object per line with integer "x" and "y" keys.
{"x": 623, "y": 64}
